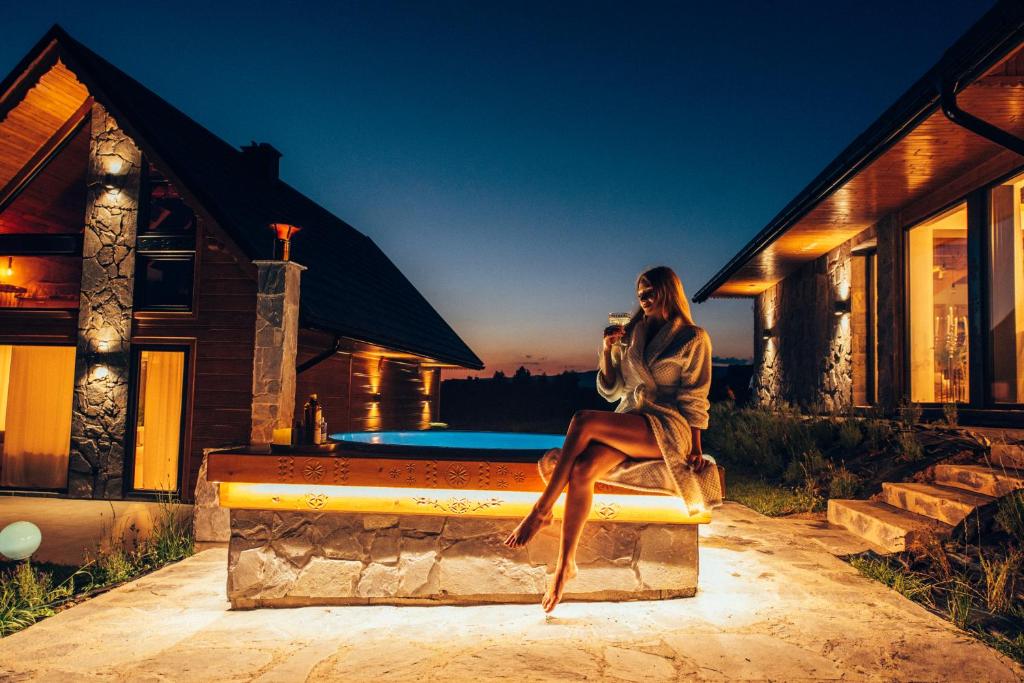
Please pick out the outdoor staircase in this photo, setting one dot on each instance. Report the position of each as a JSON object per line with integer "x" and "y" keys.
{"x": 905, "y": 511}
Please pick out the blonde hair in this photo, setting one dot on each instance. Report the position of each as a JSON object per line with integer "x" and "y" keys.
{"x": 668, "y": 292}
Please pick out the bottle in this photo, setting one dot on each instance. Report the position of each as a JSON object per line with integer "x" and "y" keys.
{"x": 318, "y": 426}
{"x": 309, "y": 420}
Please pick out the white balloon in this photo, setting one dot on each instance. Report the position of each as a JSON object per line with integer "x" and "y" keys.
{"x": 18, "y": 540}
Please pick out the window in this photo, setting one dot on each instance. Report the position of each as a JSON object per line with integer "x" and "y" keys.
{"x": 1006, "y": 293}
{"x": 864, "y": 326}
{"x": 41, "y": 223}
{"x": 164, "y": 282}
{"x": 166, "y": 242}
{"x": 36, "y": 388}
{"x": 159, "y": 401}
{"x": 937, "y": 282}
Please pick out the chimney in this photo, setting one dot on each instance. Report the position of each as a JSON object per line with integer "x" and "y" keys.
{"x": 263, "y": 159}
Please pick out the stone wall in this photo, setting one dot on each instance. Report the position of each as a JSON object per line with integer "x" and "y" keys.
{"x": 100, "y": 407}
{"x": 277, "y": 338}
{"x": 806, "y": 359}
{"x": 282, "y": 559}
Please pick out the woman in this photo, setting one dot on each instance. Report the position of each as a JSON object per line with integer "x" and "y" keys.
{"x": 652, "y": 440}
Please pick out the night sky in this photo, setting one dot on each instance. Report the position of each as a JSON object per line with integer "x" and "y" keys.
{"x": 523, "y": 162}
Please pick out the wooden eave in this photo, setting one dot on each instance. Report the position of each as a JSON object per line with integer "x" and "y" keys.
{"x": 912, "y": 151}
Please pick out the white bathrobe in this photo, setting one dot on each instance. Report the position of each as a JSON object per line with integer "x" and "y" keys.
{"x": 667, "y": 382}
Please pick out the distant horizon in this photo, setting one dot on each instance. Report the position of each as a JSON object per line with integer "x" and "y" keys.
{"x": 483, "y": 374}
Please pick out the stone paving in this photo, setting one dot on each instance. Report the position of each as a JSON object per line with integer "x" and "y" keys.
{"x": 773, "y": 604}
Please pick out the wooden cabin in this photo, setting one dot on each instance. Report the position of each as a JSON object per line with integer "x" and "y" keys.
{"x": 144, "y": 313}
{"x": 897, "y": 275}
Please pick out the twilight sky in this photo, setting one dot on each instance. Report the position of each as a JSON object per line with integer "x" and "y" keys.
{"x": 522, "y": 162}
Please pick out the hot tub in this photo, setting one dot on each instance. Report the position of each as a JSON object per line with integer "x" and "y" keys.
{"x": 456, "y": 445}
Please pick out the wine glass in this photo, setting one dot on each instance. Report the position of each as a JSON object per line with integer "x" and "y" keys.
{"x": 619, "y": 319}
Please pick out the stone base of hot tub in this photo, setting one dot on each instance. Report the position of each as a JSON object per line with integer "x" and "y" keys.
{"x": 291, "y": 559}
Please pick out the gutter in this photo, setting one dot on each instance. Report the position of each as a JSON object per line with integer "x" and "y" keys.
{"x": 320, "y": 357}
{"x": 978, "y": 126}
{"x": 990, "y": 39}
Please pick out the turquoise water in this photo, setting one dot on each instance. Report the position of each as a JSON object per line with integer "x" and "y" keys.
{"x": 469, "y": 440}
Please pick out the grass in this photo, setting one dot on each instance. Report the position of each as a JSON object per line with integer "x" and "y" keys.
{"x": 30, "y": 592}
{"x": 769, "y": 498}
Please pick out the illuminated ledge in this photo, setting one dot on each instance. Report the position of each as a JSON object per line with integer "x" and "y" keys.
{"x": 439, "y": 501}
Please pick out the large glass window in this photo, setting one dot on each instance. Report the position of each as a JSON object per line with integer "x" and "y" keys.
{"x": 158, "y": 418}
{"x": 41, "y": 222}
{"x": 937, "y": 279}
{"x": 36, "y": 386}
{"x": 1006, "y": 293}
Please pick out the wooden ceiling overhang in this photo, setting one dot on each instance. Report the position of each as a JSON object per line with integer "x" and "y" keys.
{"x": 910, "y": 152}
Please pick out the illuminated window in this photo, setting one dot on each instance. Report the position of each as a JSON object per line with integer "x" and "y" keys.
{"x": 1006, "y": 293}
{"x": 36, "y": 387}
{"x": 937, "y": 270}
{"x": 864, "y": 327}
{"x": 159, "y": 400}
{"x": 41, "y": 222}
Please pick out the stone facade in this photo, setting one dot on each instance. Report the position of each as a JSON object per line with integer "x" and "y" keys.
{"x": 100, "y": 408}
{"x": 277, "y": 334}
{"x": 284, "y": 559}
{"x": 806, "y": 358}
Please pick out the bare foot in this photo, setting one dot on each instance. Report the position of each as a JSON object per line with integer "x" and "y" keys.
{"x": 561, "y": 577}
{"x": 528, "y": 528}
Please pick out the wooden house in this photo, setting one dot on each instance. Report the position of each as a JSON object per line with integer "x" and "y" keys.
{"x": 144, "y": 314}
{"x": 897, "y": 274}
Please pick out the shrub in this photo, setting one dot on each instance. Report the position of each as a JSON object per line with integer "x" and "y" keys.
{"x": 849, "y": 435}
{"x": 843, "y": 483}
{"x": 809, "y": 467}
{"x": 1000, "y": 574}
{"x": 1010, "y": 515}
{"x": 910, "y": 413}
{"x": 878, "y": 434}
{"x": 951, "y": 413}
{"x": 907, "y": 447}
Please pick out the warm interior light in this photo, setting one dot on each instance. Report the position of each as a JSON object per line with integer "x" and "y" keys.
{"x": 459, "y": 502}
{"x": 9, "y": 270}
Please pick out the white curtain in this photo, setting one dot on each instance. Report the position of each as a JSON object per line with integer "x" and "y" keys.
{"x": 37, "y": 437}
{"x": 158, "y": 429}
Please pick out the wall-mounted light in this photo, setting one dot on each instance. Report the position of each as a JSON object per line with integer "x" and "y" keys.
{"x": 103, "y": 346}
{"x": 767, "y": 333}
{"x": 101, "y": 372}
{"x": 376, "y": 398}
{"x": 284, "y": 232}
{"x": 841, "y": 307}
{"x": 9, "y": 270}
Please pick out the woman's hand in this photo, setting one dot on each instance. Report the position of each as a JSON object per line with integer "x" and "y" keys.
{"x": 613, "y": 335}
{"x": 697, "y": 462}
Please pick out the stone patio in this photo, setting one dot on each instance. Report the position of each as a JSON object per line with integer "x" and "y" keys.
{"x": 773, "y": 604}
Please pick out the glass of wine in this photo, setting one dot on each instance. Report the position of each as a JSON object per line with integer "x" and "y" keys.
{"x": 619, "y": 319}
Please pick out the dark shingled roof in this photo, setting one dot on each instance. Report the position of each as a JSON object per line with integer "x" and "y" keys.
{"x": 351, "y": 287}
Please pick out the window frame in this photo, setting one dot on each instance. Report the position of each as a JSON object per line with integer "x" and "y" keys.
{"x": 140, "y": 344}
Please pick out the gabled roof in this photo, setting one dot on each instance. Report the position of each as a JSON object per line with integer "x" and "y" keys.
{"x": 908, "y": 152}
{"x": 351, "y": 288}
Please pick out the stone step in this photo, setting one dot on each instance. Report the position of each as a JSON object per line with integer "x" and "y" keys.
{"x": 989, "y": 481}
{"x": 1008, "y": 455}
{"x": 883, "y": 525}
{"x": 946, "y": 504}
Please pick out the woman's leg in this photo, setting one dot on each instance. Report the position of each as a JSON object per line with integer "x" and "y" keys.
{"x": 592, "y": 464}
{"x": 626, "y": 432}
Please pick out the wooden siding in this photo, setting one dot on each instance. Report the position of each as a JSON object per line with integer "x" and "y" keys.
{"x": 223, "y": 325}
